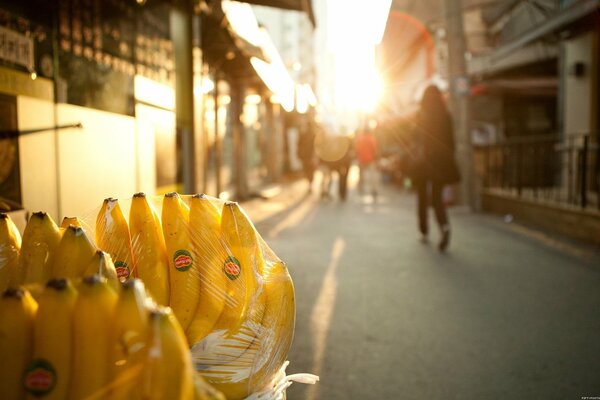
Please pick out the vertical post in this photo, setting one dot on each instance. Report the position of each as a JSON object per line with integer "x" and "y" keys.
{"x": 237, "y": 98}
{"x": 457, "y": 71}
{"x": 181, "y": 34}
{"x": 271, "y": 140}
{"x": 218, "y": 147}
{"x": 584, "y": 166}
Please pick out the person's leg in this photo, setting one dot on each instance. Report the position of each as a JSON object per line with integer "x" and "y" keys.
{"x": 374, "y": 178}
{"x": 440, "y": 214}
{"x": 343, "y": 181}
{"x": 421, "y": 190}
{"x": 361, "y": 178}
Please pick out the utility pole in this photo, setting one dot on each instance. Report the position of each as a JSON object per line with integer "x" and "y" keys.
{"x": 459, "y": 104}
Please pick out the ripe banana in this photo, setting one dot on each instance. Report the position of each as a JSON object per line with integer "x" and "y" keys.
{"x": 49, "y": 373}
{"x": 73, "y": 254}
{"x": 169, "y": 372}
{"x": 184, "y": 275}
{"x": 112, "y": 236}
{"x": 94, "y": 310}
{"x": 40, "y": 240}
{"x": 149, "y": 251}
{"x": 102, "y": 264}
{"x": 243, "y": 267}
{"x": 255, "y": 368}
{"x": 17, "y": 311}
{"x": 10, "y": 246}
{"x": 129, "y": 334}
{"x": 75, "y": 221}
{"x": 209, "y": 246}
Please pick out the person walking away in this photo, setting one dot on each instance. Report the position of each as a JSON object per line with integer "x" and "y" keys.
{"x": 435, "y": 166}
{"x": 306, "y": 154}
{"x": 366, "y": 155}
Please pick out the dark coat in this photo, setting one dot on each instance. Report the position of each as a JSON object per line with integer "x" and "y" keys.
{"x": 435, "y": 148}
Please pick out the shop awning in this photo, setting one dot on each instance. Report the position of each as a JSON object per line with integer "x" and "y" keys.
{"x": 566, "y": 18}
{"x": 297, "y": 5}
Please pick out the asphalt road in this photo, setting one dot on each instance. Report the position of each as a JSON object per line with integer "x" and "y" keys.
{"x": 507, "y": 313}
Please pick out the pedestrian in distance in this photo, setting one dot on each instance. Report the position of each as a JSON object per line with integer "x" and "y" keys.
{"x": 367, "y": 151}
{"x": 434, "y": 162}
{"x": 335, "y": 154}
{"x": 306, "y": 153}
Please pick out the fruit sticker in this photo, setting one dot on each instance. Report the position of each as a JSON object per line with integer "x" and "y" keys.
{"x": 232, "y": 268}
{"x": 122, "y": 270}
{"x": 183, "y": 260}
{"x": 39, "y": 378}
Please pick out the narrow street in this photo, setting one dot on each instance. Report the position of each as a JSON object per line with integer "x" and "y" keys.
{"x": 507, "y": 313}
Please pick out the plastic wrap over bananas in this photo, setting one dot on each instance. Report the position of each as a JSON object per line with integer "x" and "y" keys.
{"x": 232, "y": 297}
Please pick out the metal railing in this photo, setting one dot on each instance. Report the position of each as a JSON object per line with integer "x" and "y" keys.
{"x": 547, "y": 168}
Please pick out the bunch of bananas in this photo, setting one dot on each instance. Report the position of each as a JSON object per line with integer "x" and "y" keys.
{"x": 83, "y": 339}
{"x": 231, "y": 295}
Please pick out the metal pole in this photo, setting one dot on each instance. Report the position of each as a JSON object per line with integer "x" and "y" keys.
{"x": 181, "y": 33}
{"x": 457, "y": 71}
{"x": 218, "y": 147}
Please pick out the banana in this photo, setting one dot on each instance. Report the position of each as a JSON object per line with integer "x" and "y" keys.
{"x": 243, "y": 267}
{"x": 94, "y": 311}
{"x": 73, "y": 254}
{"x": 209, "y": 246}
{"x": 40, "y": 240}
{"x": 169, "y": 372}
{"x": 129, "y": 334}
{"x": 75, "y": 221}
{"x": 49, "y": 373}
{"x": 184, "y": 276}
{"x": 204, "y": 391}
{"x": 112, "y": 236}
{"x": 255, "y": 369}
{"x": 149, "y": 251}
{"x": 102, "y": 264}
{"x": 10, "y": 246}
{"x": 17, "y": 313}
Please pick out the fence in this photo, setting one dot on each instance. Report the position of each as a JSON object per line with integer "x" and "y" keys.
{"x": 548, "y": 168}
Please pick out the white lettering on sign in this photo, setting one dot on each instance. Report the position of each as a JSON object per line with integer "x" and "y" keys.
{"x": 16, "y": 48}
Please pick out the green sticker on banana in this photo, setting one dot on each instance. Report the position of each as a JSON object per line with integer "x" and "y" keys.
{"x": 39, "y": 378}
{"x": 232, "y": 268}
{"x": 182, "y": 259}
{"x": 122, "y": 270}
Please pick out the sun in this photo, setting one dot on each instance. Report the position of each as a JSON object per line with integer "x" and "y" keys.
{"x": 358, "y": 84}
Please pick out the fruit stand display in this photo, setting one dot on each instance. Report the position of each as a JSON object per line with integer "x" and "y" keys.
{"x": 170, "y": 297}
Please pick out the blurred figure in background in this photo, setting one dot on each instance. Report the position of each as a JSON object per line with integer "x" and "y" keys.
{"x": 435, "y": 165}
{"x": 306, "y": 153}
{"x": 335, "y": 154}
{"x": 366, "y": 149}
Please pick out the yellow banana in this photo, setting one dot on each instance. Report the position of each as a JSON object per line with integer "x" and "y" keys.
{"x": 184, "y": 276}
{"x": 17, "y": 312}
{"x": 10, "y": 246}
{"x": 255, "y": 369}
{"x": 149, "y": 251}
{"x": 102, "y": 264}
{"x": 73, "y": 254}
{"x": 129, "y": 335}
{"x": 112, "y": 236}
{"x": 94, "y": 311}
{"x": 205, "y": 391}
{"x": 243, "y": 267}
{"x": 75, "y": 221}
{"x": 49, "y": 373}
{"x": 205, "y": 228}
{"x": 169, "y": 373}
{"x": 40, "y": 240}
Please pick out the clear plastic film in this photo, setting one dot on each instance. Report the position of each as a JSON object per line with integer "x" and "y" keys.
{"x": 232, "y": 297}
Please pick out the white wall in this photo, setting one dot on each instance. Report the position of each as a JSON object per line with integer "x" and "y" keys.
{"x": 579, "y": 92}
{"x": 37, "y": 156}
{"x": 95, "y": 162}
